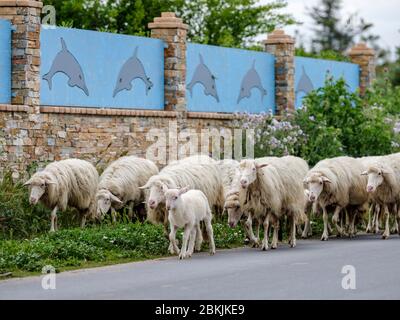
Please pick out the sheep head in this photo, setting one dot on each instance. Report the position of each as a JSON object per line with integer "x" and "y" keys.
{"x": 173, "y": 196}
{"x": 376, "y": 177}
{"x": 315, "y": 185}
{"x": 232, "y": 206}
{"x": 38, "y": 185}
{"x": 105, "y": 199}
{"x": 248, "y": 170}
{"x": 156, "y": 193}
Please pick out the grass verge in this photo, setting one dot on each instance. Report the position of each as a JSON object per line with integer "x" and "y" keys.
{"x": 96, "y": 246}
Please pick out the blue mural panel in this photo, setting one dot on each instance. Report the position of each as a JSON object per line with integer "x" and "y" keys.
{"x": 5, "y": 61}
{"x": 311, "y": 73}
{"x": 98, "y": 69}
{"x": 222, "y": 79}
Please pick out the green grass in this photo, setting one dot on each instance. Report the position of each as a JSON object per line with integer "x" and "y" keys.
{"x": 97, "y": 245}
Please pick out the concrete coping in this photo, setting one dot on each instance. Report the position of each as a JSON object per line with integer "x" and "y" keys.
{"x": 278, "y": 36}
{"x": 21, "y": 3}
{"x": 168, "y": 20}
{"x": 361, "y": 49}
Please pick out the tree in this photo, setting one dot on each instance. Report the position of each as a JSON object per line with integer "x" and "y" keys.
{"x": 233, "y": 23}
{"x": 331, "y": 33}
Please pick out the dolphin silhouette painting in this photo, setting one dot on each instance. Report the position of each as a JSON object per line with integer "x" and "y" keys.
{"x": 305, "y": 85}
{"x": 251, "y": 80}
{"x": 204, "y": 76}
{"x": 132, "y": 69}
{"x": 66, "y": 63}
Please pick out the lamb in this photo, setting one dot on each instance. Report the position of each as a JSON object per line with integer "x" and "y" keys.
{"x": 199, "y": 173}
{"x": 119, "y": 184}
{"x": 186, "y": 209}
{"x": 70, "y": 182}
{"x": 384, "y": 187}
{"x": 336, "y": 182}
{"x": 268, "y": 190}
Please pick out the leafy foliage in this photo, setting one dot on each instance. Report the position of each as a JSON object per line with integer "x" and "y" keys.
{"x": 332, "y": 122}
{"x": 233, "y": 23}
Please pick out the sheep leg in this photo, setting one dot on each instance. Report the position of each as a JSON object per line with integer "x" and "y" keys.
{"x": 292, "y": 241}
{"x": 83, "y": 221}
{"x": 325, "y": 234}
{"x": 264, "y": 245}
{"x": 209, "y": 229}
{"x": 113, "y": 215}
{"x": 335, "y": 220}
{"x": 386, "y": 233}
{"x": 185, "y": 238}
{"x": 53, "y": 218}
{"x": 199, "y": 238}
{"x": 398, "y": 219}
{"x": 352, "y": 231}
{"x": 130, "y": 210}
{"x": 249, "y": 230}
{"x": 307, "y": 227}
{"x": 376, "y": 216}
{"x": 173, "y": 247}
{"x": 369, "y": 225}
{"x": 275, "y": 236}
{"x": 257, "y": 227}
{"x": 395, "y": 227}
{"x": 192, "y": 239}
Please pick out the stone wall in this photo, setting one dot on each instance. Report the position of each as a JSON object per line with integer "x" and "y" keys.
{"x": 25, "y": 17}
{"x": 34, "y": 134}
{"x": 97, "y": 135}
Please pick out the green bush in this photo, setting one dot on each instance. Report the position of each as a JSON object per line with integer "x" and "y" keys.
{"x": 351, "y": 127}
{"x": 332, "y": 122}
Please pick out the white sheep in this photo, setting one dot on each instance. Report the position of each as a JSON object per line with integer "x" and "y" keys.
{"x": 70, "y": 182}
{"x": 199, "y": 173}
{"x": 384, "y": 187}
{"x": 186, "y": 209}
{"x": 268, "y": 190}
{"x": 336, "y": 182}
{"x": 119, "y": 184}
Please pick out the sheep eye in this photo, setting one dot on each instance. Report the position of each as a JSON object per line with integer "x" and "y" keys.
{"x": 237, "y": 207}
{"x": 320, "y": 182}
{"x": 380, "y": 173}
{"x": 175, "y": 198}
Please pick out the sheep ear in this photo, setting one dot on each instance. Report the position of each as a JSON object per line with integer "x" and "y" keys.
{"x": 115, "y": 199}
{"x": 325, "y": 179}
{"x": 259, "y": 166}
{"x": 164, "y": 188}
{"x": 146, "y": 186}
{"x": 49, "y": 180}
{"x": 183, "y": 190}
{"x": 28, "y": 183}
{"x": 364, "y": 173}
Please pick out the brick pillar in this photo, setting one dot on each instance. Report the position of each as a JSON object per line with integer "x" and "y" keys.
{"x": 25, "y": 17}
{"x": 365, "y": 58}
{"x": 281, "y": 46}
{"x": 173, "y": 32}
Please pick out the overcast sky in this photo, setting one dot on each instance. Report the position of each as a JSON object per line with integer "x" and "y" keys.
{"x": 384, "y": 14}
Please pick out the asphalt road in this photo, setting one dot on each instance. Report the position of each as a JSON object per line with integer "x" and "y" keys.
{"x": 312, "y": 270}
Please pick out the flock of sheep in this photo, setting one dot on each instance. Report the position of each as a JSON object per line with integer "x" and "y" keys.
{"x": 265, "y": 191}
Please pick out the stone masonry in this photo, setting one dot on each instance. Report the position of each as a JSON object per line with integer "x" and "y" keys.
{"x": 32, "y": 134}
{"x": 282, "y": 47}
{"x": 365, "y": 58}
{"x": 25, "y": 17}
{"x": 173, "y": 32}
